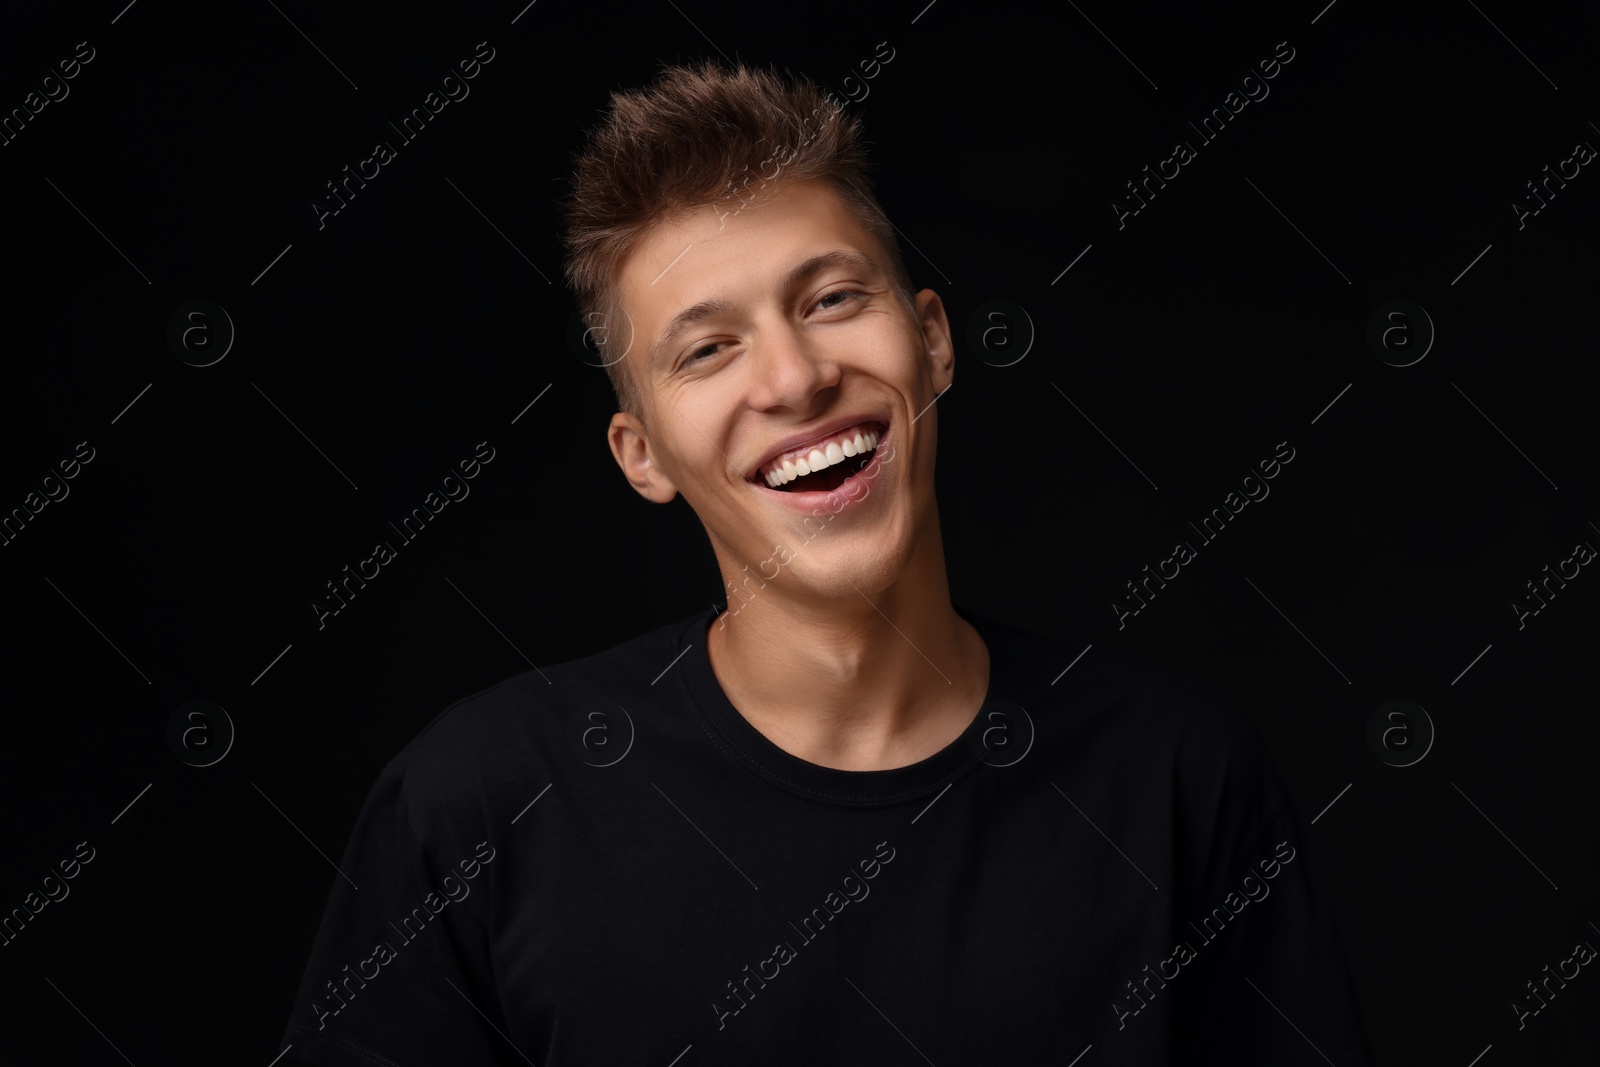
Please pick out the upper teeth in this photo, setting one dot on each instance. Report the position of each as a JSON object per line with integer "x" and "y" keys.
{"x": 837, "y": 449}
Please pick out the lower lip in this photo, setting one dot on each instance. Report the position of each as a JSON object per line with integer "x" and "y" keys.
{"x": 851, "y": 492}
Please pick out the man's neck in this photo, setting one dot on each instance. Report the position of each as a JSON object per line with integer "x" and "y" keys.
{"x": 866, "y": 685}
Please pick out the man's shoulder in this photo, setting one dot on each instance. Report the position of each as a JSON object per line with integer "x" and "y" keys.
{"x": 1126, "y": 694}
{"x": 512, "y": 731}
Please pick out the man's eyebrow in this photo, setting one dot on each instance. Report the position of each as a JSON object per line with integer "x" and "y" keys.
{"x": 705, "y": 309}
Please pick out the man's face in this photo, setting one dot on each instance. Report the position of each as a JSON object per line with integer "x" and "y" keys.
{"x": 773, "y": 357}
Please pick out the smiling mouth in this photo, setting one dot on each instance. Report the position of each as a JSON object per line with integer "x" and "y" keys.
{"x": 832, "y": 476}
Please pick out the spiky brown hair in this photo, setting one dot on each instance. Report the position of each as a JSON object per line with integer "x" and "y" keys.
{"x": 702, "y": 134}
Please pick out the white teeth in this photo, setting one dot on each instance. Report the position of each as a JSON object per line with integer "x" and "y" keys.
{"x": 821, "y": 458}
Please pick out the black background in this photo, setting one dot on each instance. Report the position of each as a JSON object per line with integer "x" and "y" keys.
{"x": 376, "y": 352}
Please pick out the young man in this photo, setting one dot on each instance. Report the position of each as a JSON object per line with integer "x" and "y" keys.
{"x": 843, "y": 820}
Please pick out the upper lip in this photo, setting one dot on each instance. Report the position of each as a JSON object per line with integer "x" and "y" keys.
{"x": 814, "y": 436}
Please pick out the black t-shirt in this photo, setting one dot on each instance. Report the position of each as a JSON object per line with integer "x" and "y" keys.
{"x": 605, "y": 863}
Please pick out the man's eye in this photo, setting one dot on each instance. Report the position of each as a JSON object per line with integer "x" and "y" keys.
{"x": 704, "y": 351}
{"x": 837, "y": 292}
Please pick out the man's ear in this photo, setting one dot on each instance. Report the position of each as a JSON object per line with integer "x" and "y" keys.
{"x": 936, "y": 335}
{"x": 630, "y": 446}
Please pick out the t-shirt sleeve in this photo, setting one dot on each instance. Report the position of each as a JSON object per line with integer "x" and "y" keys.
{"x": 1270, "y": 982}
{"x": 400, "y": 972}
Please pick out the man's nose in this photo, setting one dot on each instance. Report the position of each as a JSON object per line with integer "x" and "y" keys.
{"x": 792, "y": 367}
